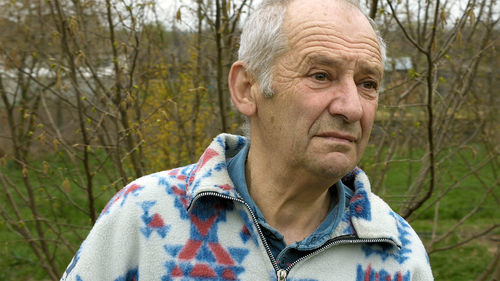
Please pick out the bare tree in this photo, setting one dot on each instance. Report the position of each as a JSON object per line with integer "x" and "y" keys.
{"x": 69, "y": 77}
{"x": 438, "y": 85}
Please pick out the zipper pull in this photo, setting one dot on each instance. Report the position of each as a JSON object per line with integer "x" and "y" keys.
{"x": 281, "y": 275}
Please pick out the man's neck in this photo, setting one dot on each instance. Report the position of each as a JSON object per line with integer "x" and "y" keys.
{"x": 292, "y": 202}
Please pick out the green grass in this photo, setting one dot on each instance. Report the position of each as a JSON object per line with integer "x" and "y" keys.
{"x": 462, "y": 264}
{"x": 458, "y": 201}
{"x": 466, "y": 262}
{"x": 17, "y": 260}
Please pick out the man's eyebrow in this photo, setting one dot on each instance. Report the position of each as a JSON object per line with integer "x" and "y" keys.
{"x": 370, "y": 69}
{"x": 363, "y": 67}
{"x": 323, "y": 60}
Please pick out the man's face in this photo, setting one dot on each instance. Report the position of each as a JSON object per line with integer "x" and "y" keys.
{"x": 326, "y": 90}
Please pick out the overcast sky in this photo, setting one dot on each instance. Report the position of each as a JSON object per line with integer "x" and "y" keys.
{"x": 170, "y": 7}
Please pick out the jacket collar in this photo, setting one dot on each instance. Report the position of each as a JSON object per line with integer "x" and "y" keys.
{"x": 210, "y": 174}
{"x": 369, "y": 216}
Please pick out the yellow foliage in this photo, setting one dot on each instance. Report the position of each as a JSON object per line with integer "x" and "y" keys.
{"x": 181, "y": 125}
{"x": 66, "y": 185}
{"x": 42, "y": 138}
{"x": 56, "y": 144}
{"x": 45, "y": 167}
{"x": 3, "y": 161}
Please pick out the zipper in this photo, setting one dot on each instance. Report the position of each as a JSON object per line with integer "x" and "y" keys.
{"x": 259, "y": 230}
{"x": 281, "y": 274}
{"x": 342, "y": 240}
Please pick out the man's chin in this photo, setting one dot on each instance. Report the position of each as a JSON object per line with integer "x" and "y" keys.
{"x": 333, "y": 167}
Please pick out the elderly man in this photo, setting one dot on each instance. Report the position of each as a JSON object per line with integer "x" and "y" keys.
{"x": 288, "y": 205}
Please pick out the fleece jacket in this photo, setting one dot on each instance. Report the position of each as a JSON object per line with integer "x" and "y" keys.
{"x": 190, "y": 223}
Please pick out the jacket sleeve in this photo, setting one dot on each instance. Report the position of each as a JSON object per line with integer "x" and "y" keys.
{"x": 110, "y": 250}
{"x": 422, "y": 271}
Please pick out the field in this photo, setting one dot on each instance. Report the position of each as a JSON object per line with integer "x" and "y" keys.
{"x": 17, "y": 261}
{"x": 468, "y": 261}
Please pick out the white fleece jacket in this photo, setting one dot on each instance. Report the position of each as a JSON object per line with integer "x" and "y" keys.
{"x": 190, "y": 224}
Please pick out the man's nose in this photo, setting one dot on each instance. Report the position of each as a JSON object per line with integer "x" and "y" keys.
{"x": 346, "y": 101}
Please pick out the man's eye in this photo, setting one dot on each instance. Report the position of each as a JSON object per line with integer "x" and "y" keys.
{"x": 369, "y": 85}
{"x": 320, "y": 76}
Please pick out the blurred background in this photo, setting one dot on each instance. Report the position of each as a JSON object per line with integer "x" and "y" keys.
{"x": 94, "y": 94}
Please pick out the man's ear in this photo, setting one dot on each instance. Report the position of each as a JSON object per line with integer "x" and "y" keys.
{"x": 240, "y": 85}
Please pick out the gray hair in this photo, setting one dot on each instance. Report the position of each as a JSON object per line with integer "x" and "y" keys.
{"x": 262, "y": 40}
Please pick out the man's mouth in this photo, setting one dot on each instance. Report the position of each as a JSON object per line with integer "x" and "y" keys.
{"x": 338, "y": 136}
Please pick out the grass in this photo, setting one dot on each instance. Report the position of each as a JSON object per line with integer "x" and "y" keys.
{"x": 17, "y": 261}
{"x": 462, "y": 264}
{"x": 466, "y": 262}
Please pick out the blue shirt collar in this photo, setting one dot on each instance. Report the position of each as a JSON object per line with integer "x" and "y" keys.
{"x": 341, "y": 195}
